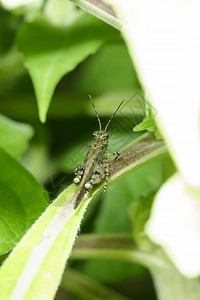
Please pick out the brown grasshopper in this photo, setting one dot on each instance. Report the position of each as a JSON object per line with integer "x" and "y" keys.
{"x": 95, "y": 169}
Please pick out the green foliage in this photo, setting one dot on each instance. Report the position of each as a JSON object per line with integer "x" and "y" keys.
{"x": 22, "y": 201}
{"x": 117, "y": 214}
{"x": 87, "y": 288}
{"x": 139, "y": 213}
{"x": 123, "y": 194}
{"x": 104, "y": 71}
{"x": 57, "y": 52}
{"x": 47, "y": 246}
{"x": 145, "y": 125}
{"x": 65, "y": 49}
{"x": 148, "y": 122}
{"x": 14, "y": 136}
{"x": 7, "y": 30}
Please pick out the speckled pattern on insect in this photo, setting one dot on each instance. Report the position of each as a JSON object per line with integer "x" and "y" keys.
{"x": 94, "y": 169}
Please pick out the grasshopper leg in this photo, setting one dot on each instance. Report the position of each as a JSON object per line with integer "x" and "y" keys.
{"x": 107, "y": 167}
{"x": 117, "y": 153}
{"x": 97, "y": 178}
{"x": 79, "y": 173}
{"x": 107, "y": 173}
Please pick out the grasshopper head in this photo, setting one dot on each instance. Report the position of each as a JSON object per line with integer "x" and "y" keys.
{"x": 100, "y": 135}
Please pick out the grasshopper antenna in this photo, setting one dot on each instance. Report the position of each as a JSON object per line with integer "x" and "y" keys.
{"x": 114, "y": 114}
{"x": 96, "y": 112}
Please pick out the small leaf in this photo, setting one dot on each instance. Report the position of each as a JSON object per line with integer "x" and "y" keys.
{"x": 146, "y": 124}
{"x": 149, "y": 125}
{"x": 14, "y": 136}
{"x": 22, "y": 201}
{"x": 51, "y": 52}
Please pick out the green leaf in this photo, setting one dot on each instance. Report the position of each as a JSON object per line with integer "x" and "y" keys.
{"x": 51, "y": 52}
{"x": 149, "y": 125}
{"x": 14, "y": 136}
{"x": 115, "y": 77}
{"x": 22, "y": 201}
{"x": 146, "y": 124}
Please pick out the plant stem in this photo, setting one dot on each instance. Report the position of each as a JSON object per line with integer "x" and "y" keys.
{"x": 116, "y": 247}
{"x": 100, "y": 10}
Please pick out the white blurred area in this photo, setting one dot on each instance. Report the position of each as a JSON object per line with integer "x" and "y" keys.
{"x": 163, "y": 38}
{"x": 13, "y": 4}
{"x": 175, "y": 224}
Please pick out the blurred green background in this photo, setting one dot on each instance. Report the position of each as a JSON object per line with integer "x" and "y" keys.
{"x": 51, "y": 150}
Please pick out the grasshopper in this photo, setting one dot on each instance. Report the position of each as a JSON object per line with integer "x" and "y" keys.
{"x": 94, "y": 169}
